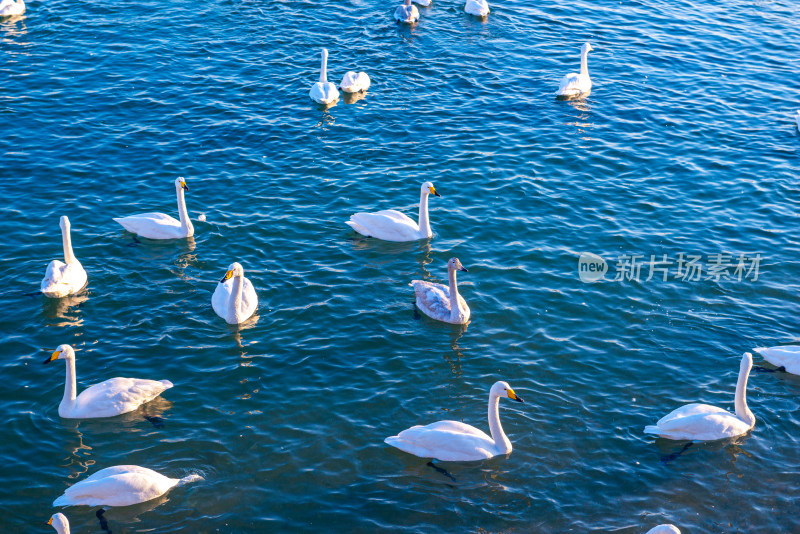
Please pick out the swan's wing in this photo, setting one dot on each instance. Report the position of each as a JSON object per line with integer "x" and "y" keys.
{"x": 433, "y": 299}
{"x": 117, "y": 396}
{"x": 787, "y": 356}
{"x": 570, "y": 84}
{"x": 120, "y": 469}
{"x": 152, "y": 225}
{"x": 118, "y": 489}
{"x": 221, "y": 297}
{"x": 249, "y": 299}
{"x": 701, "y": 427}
{"x": 445, "y": 440}
{"x": 5, "y": 4}
{"x": 689, "y": 410}
{"x": 62, "y": 279}
{"x": 389, "y": 225}
{"x": 407, "y": 13}
{"x": 323, "y": 93}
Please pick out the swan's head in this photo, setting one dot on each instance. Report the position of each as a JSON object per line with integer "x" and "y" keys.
{"x": 455, "y": 265}
{"x": 407, "y": 2}
{"x": 180, "y": 183}
{"x": 586, "y": 48}
{"x": 63, "y": 352}
{"x": 502, "y": 389}
{"x": 234, "y": 269}
{"x": 64, "y": 222}
{"x": 428, "y": 189}
{"x": 59, "y": 522}
{"x": 747, "y": 361}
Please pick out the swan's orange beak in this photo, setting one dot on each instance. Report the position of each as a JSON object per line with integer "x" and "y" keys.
{"x": 513, "y": 396}
{"x": 50, "y": 521}
{"x": 433, "y": 191}
{"x": 183, "y": 185}
{"x": 226, "y": 277}
{"x": 52, "y": 357}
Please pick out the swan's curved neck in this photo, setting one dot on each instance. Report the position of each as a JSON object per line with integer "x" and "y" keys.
{"x": 323, "y": 70}
{"x": 60, "y": 528}
{"x": 454, "y": 309}
{"x": 186, "y": 224}
{"x": 70, "y": 392}
{"x": 237, "y": 295}
{"x": 740, "y": 401}
{"x": 424, "y": 224}
{"x": 584, "y": 63}
{"x": 69, "y": 255}
{"x": 500, "y": 440}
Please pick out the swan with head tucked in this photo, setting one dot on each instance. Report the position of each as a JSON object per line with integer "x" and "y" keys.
{"x": 406, "y": 13}
{"x": 787, "y": 357}
{"x": 355, "y": 82}
{"x": 63, "y": 279}
{"x": 452, "y": 441}
{"x": 234, "y": 300}
{"x": 478, "y": 8}
{"x": 664, "y": 529}
{"x": 121, "y": 485}
{"x": 59, "y": 522}
{"x": 160, "y": 225}
{"x": 324, "y": 92}
{"x": 577, "y": 84}
{"x": 702, "y": 422}
{"x": 9, "y": 8}
{"x": 112, "y": 397}
{"x": 391, "y": 225}
{"x": 441, "y": 302}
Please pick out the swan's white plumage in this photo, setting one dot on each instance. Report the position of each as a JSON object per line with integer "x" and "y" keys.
{"x": 424, "y": 3}
{"x": 787, "y": 357}
{"x": 234, "y": 299}
{"x": 355, "y": 82}
{"x": 703, "y": 422}
{"x": 323, "y": 91}
{"x": 453, "y": 441}
{"x": 479, "y": 8}
{"x": 121, "y": 485}
{"x": 106, "y": 399}
{"x": 435, "y": 300}
{"x": 161, "y": 225}
{"x": 664, "y": 529}
{"x": 9, "y": 8}
{"x": 577, "y": 84}
{"x": 391, "y": 225}
{"x": 59, "y": 522}
{"x": 407, "y": 13}
{"x": 64, "y": 279}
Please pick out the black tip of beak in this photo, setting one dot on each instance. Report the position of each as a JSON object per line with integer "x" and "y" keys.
{"x": 223, "y": 279}
{"x": 519, "y": 399}
{"x": 464, "y": 269}
{"x": 48, "y": 360}
{"x": 186, "y": 187}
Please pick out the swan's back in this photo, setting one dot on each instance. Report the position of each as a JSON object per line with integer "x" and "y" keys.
{"x": 323, "y": 92}
{"x": 115, "y": 396}
{"x": 152, "y": 225}
{"x": 389, "y": 225}
{"x": 355, "y": 82}
{"x": 9, "y": 8}
{"x": 445, "y": 440}
{"x": 787, "y": 357}
{"x": 407, "y": 13}
{"x": 479, "y": 8}
{"x": 120, "y": 485}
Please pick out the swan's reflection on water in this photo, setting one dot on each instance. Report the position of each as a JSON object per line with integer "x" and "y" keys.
{"x": 64, "y": 311}
{"x": 454, "y": 357}
{"x": 9, "y": 29}
{"x": 352, "y": 98}
{"x": 582, "y": 117}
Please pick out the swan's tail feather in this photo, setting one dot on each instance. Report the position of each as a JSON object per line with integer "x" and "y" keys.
{"x": 189, "y": 479}
{"x": 358, "y": 228}
{"x": 760, "y": 350}
{"x": 652, "y": 429}
{"x": 166, "y": 383}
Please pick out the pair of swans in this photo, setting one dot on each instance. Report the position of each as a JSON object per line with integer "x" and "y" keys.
{"x": 325, "y": 92}
{"x": 9, "y": 8}
{"x": 235, "y": 299}
{"x": 703, "y": 422}
{"x": 575, "y": 85}
{"x": 160, "y": 225}
{"x": 453, "y": 441}
{"x": 114, "y": 396}
{"x": 68, "y": 277}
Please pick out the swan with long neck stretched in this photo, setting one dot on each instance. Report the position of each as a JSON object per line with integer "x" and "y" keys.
{"x": 121, "y": 485}
{"x": 478, "y": 8}
{"x": 234, "y": 300}
{"x": 577, "y": 84}
{"x": 64, "y": 278}
{"x": 324, "y": 92}
{"x": 453, "y": 441}
{"x": 391, "y": 225}
{"x": 160, "y": 225}
{"x": 59, "y": 522}
{"x": 114, "y": 396}
{"x": 441, "y": 302}
{"x": 703, "y": 422}
{"x": 10, "y": 8}
{"x": 407, "y": 13}
{"x": 786, "y": 357}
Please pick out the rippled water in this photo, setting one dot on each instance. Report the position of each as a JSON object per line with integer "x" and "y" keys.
{"x": 686, "y": 145}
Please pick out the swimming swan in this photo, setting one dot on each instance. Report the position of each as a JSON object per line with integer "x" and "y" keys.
{"x": 160, "y": 225}
{"x": 441, "y": 302}
{"x": 479, "y": 8}
{"x": 452, "y": 441}
{"x": 9, "y": 8}
{"x": 664, "y": 529}
{"x": 324, "y": 92}
{"x": 355, "y": 82}
{"x": 787, "y": 357}
{"x": 234, "y": 300}
{"x": 407, "y": 13}
{"x": 112, "y": 397}
{"x": 702, "y": 422}
{"x": 574, "y": 85}
{"x": 391, "y": 225}
{"x": 121, "y": 485}
{"x": 59, "y": 522}
{"x": 63, "y": 279}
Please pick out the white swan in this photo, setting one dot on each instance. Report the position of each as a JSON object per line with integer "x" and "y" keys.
{"x": 234, "y": 300}
{"x": 9, "y": 8}
{"x": 787, "y": 357}
{"x": 160, "y": 225}
{"x": 63, "y": 279}
{"x": 121, "y": 485}
{"x": 452, "y": 441}
{"x": 355, "y": 82}
{"x": 702, "y": 422}
{"x": 59, "y": 522}
{"x": 391, "y": 225}
{"x": 664, "y": 529}
{"x": 106, "y": 399}
{"x": 324, "y": 92}
{"x": 578, "y": 84}
{"x": 441, "y": 302}
{"x": 407, "y": 13}
{"x": 479, "y": 8}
